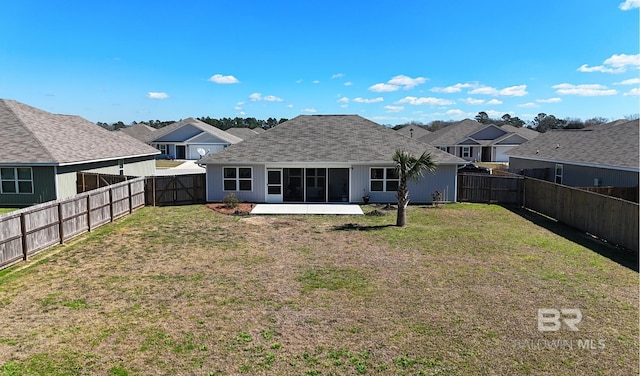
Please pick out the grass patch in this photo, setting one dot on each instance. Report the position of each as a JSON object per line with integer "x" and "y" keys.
{"x": 333, "y": 278}
{"x": 7, "y": 210}
{"x": 184, "y": 290}
{"x": 164, "y": 163}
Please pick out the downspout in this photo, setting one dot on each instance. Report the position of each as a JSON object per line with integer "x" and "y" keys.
{"x": 55, "y": 182}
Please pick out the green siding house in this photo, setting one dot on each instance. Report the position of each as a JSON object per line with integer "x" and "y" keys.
{"x": 42, "y": 152}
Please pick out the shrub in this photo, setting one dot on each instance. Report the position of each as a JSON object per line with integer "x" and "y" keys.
{"x": 231, "y": 200}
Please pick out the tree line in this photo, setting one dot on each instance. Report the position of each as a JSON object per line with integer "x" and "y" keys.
{"x": 541, "y": 123}
{"x": 223, "y": 123}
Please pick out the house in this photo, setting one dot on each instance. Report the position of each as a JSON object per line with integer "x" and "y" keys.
{"x": 42, "y": 152}
{"x": 606, "y": 155}
{"x": 474, "y": 141}
{"x": 324, "y": 158}
{"x": 414, "y": 130}
{"x": 186, "y": 139}
{"x": 244, "y": 133}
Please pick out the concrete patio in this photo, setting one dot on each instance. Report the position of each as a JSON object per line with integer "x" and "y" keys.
{"x": 297, "y": 209}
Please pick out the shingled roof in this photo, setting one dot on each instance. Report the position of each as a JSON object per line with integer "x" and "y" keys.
{"x": 326, "y": 139}
{"x": 219, "y": 133}
{"x": 612, "y": 146}
{"x": 32, "y": 136}
{"x": 453, "y": 133}
{"x": 139, "y": 131}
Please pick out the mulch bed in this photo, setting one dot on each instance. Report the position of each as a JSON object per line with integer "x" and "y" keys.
{"x": 241, "y": 209}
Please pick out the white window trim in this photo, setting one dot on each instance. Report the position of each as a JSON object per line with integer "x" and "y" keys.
{"x": 16, "y": 181}
{"x": 237, "y": 179}
{"x": 164, "y": 148}
{"x": 560, "y": 175}
{"x": 384, "y": 179}
{"x": 467, "y": 153}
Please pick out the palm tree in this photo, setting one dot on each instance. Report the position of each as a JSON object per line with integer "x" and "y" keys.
{"x": 409, "y": 167}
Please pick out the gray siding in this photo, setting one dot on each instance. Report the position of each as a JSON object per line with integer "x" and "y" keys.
{"x": 44, "y": 189}
{"x": 580, "y": 176}
{"x": 214, "y": 184}
{"x": 489, "y": 133}
{"x": 180, "y": 134}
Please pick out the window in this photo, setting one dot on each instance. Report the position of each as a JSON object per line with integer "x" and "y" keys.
{"x": 443, "y": 148}
{"x": 383, "y": 180}
{"x": 237, "y": 179}
{"x": 121, "y": 167}
{"x": 163, "y": 148}
{"x": 466, "y": 152}
{"x": 16, "y": 180}
{"x": 558, "y": 174}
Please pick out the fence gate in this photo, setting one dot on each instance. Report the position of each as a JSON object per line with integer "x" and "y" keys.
{"x": 483, "y": 188}
{"x": 175, "y": 190}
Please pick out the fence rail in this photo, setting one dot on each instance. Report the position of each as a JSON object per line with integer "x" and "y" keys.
{"x": 175, "y": 190}
{"x": 25, "y": 232}
{"x": 484, "y": 188}
{"x": 610, "y": 218}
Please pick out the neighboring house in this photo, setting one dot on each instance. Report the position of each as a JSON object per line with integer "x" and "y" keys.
{"x": 42, "y": 152}
{"x": 187, "y": 139}
{"x": 413, "y": 131}
{"x": 244, "y": 133}
{"x": 324, "y": 158}
{"x": 606, "y": 155}
{"x": 140, "y": 132}
{"x": 474, "y": 141}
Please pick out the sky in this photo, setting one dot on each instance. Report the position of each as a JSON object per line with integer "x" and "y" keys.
{"x": 392, "y": 62}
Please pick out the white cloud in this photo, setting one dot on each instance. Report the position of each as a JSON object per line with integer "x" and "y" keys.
{"x": 473, "y": 101}
{"x": 453, "y": 88}
{"x": 629, "y": 4}
{"x": 269, "y": 98}
{"x": 425, "y": 100}
{"x": 514, "y": 91}
{"x": 511, "y": 91}
{"x": 528, "y": 105}
{"x": 406, "y": 82}
{"x": 383, "y": 88}
{"x": 550, "y": 100}
{"x": 585, "y": 90}
{"x": 631, "y": 81}
{"x": 348, "y": 83}
{"x": 310, "y": 110}
{"x": 494, "y": 114}
{"x": 220, "y": 79}
{"x": 397, "y": 82}
{"x": 633, "y": 92}
{"x": 343, "y": 100}
{"x": 373, "y": 100}
{"x": 394, "y": 108}
{"x": 157, "y": 95}
{"x": 316, "y": 81}
{"x": 298, "y": 81}
{"x": 614, "y": 64}
{"x": 338, "y": 75}
{"x": 237, "y": 108}
{"x": 494, "y": 102}
{"x": 455, "y": 113}
{"x": 289, "y": 106}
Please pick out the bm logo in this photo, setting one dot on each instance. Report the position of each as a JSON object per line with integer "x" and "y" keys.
{"x": 551, "y": 319}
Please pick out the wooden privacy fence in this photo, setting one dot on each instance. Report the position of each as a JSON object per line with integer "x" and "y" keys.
{"x": 491, "y": 189}
{"x": 606, "y": 217}
{"x": 88, "y": 181}
{"x": 175, "y": 190}
{"x": 25, "y": 232}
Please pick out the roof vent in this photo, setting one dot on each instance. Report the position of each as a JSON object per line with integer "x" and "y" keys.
{"x": 557, "y": 146}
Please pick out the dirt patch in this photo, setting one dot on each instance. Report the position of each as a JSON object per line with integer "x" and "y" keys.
{"x": 241, "y": 209}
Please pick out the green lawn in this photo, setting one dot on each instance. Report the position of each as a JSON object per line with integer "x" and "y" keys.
{"x": 164, "y": 163}
{"x": 185, "y": 290}
{"x": 7, "y": 210}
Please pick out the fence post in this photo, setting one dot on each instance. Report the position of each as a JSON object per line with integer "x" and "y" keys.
{"x": 23, "y": 229}
{"x": 130, "y": 198}
{"x": 89, "y": 212}
{"x": 111, "y": 204}
{"x": 60, "y": 224}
